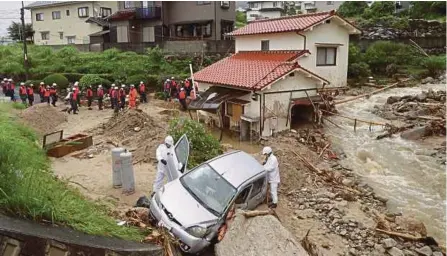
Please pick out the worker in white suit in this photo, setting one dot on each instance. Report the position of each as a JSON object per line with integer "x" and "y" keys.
{"x": 271, "y": 165}
{"x": 162, "y": 154}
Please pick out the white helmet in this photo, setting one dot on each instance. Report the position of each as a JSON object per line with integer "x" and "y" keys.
{"x": 266, "y": 150}
{"x": 141, "y": 82}
{"x": 10, "y": 80}
{"x": 116, "y": 87}
{"x": 31, "y": 85}
{"x": 99, "y": 86}
{"x": 168, "y": 80}
{"x": 132, "y": 85}
{"x": 172, "y": 78}
{"x": 54, "y": 84}
{"x": 42, "y": 83}
{"x": 22, "y": 83}
{"x": 76, "y": 83}
{"x": 169, "y": 141}
{"x": 123, "y": 86}
{"x": 182, "y": 89}
{"x": 5, "y": 79}
{"x": 113, "y": 85}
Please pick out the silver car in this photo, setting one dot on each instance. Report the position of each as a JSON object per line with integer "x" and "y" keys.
{"x": 194, "y": 204}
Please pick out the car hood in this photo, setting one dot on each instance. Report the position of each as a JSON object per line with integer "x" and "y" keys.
{"x": 183, "y": 207}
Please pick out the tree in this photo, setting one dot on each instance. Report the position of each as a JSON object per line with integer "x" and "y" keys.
{"x": 352, "y": 9}
{"x": 289, "y": 8}
{"x": 241, "y": 19}
{"x": 15, "y": 31}
{"x": 429, "y": 9}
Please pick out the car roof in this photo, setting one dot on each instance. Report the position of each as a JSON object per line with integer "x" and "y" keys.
{"x": 236, "y": 167}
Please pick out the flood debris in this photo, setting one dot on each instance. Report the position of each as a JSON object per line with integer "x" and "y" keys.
{"x": 43, "y": 118}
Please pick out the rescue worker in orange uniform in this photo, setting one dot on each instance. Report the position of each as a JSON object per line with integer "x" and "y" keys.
{"x": 22, "y": 93}
{"x": 133, "y": 97}
{"x": 142, "y": 89}
{"x": 100, "y": 94}
{"x": 122, "y": 96}
{"x": 53, "y": 94}
{"x": 46, "y": 95}
{"x": 41, "y": 91}
{"x": 89, "y": 97}
{"x": 30, "y": 94}
{"x": 182, "y": 98}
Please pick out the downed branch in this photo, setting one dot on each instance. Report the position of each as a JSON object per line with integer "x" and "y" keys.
{"x": 391, "y": 129}
{"x": 382, "y": 223}
{"x": 251, "y": 214}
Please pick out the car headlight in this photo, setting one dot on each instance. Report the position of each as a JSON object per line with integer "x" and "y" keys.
{"x": 197, "y": 231}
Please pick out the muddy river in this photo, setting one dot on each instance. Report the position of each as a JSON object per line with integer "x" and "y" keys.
{"x": 396, "y": 168}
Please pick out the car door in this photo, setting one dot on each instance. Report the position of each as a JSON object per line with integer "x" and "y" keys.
{"x": 258, "y": 192}
{"x": 181, "y": 155}
{"x": 241, "y": 201}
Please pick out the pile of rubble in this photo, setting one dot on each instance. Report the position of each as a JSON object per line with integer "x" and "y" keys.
{"x": 43, "y": 118}
{"x": 136, "y": 131}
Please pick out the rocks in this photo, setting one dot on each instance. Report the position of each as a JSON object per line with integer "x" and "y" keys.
{"x": 304, "y": 214}
{"x": 348, "y": 182}
{"x": 395, "y": 252}
{"x": 411, "y": 224}
{"x": 388, "y": 243}
{"x": 137, "y": 129}
{"x": 379, "y": 248}
{"x": 425, "y": 251}
{"x": 422, "y": 97}
{"x": 392, "y": 99}
{"x": 428, "y": 80}
{"x": 414, "y": 134}
{"x": 437, "y": 254}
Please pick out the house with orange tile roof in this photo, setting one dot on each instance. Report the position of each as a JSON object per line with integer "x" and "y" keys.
{"x": 274, "y": 78}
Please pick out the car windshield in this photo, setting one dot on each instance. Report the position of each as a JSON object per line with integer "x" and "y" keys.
{"x": 209, "y": 188}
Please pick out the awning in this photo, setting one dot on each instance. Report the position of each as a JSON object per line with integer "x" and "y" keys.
{"x": 100, "y": 33}
{"x": 214, "y": 96}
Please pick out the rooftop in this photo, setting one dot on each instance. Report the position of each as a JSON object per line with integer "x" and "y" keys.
{"x": 251, "y": 70}
{"x": 295, "y": 23}
{"x": 39, "y": 4}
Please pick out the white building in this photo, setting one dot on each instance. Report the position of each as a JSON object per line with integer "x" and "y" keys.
{"x": 68, "y": 22}
{"x": 318, "y": 6}
{"x": 277, "y": 72}
{"x": 264, "y": 10}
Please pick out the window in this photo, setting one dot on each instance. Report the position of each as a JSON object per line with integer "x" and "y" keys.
{"x": 242, "y": 197}
{"x": 229, "y": 109}
{"x": 61, "y": 35}
{"x": 225, "y": 4}
{"x": 330, "y": 2}
{"x": 45, "y": 35}
{"x": 71, "y": 39}
{"x": 254, "y": 15}
{"x": 253, "y": 5}
{"x": 67, "y": 12}
{"x": 128, "y": 4}
{"x": 83, "y": 12}
{"x": 121, "y": 33}
{"x": 203, "y": 2}
{"x": 147, "y": 4}
{"x": 326, "y": 56}
{"x": 193, "y": 30}
{"x": 276, "y": 4}
{"x": 257, "y": 187}
{"x": 148, "y": 34}
{"x": 105, "y": 12}
{"x": 56, "y": 15}
{"x": 265, "y": 45}
{"x": 39, "y": 16}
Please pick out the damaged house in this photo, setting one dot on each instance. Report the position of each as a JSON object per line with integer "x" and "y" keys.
{"x": 278, "y": 71}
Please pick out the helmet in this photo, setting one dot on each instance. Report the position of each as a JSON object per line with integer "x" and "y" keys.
{"x": 48, "y": 87}
{"x": 123, "y": 86}
{"x": 54, "y": 84}
{"x": 132, "y": 85}
{"x": 266, "y": 150}
{"x": 22, "y": 83}
{"x": 168, "y": 80}
{"x": 182, "y": 89}
{"x": 169, "y": 141}
{"x": 99, "y": 86}
{"x": 76, "y": 83}
{"x": 5, "y": 79}
{"x": 42, "y": 83}
{"x": 31, "y": 85}
{"x": 172, "y": 78}
{"x": 113, "y": 85}
{"x": 141, "y": 82}
{"x": 10, "y": 80}
{"x": 116, "y": 87}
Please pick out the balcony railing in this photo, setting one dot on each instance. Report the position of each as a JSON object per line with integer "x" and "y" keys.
{"x": 148, "y": 13}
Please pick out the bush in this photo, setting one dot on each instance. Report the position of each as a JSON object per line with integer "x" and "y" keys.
{"x": 435, "y": 65}
{"x": 18, "y": 105}
{"x": 359, "y": 70}
{"x": 59, "y": 79}
{"x": 92, "y": 80}
{"x": 135, "y": 79}
{"x": 352, "y": 9}
{"x": 154, "y": 82}
{"x": 36, "y": 83}
{"x": 73, "y": 77}
{"x": 203, "y": 145}
{"x": 382, "y": 53}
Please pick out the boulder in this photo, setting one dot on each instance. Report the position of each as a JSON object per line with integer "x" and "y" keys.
{"x": 437, "y": 254}
{"x": 256, "y": 236}
{"x": 388, "y": 243}
{"x": 414, "y": 134}
{"x": 411, "y": 224}
{"x": 425, "y": 251}
{"x": 348, "y": 182}
{"x": 392, "y": 99}
{"x": 421, "y": 97}
{"x": 395, "y": 252}
{"x": 427, "y": 80}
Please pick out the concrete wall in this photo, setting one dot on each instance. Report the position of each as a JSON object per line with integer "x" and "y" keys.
{"x": 71, "y": 25}
{"x": 331, "y": 33}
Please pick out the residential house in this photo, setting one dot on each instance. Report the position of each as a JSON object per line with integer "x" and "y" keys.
{"x": 264, "y": 10}
{"x": 158, "y": 21}
{"x": 68, "y": 22}
{"x": 318, "y": 6}
{"x": 277, "y": 73}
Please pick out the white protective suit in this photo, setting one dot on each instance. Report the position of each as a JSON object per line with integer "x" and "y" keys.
{"x": 272, "y": 168}
{"x": 162, "y": 154}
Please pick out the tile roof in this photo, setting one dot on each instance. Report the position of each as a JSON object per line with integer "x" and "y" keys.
{"x": 283, "y": 24}
{"x": 252, "y": 70}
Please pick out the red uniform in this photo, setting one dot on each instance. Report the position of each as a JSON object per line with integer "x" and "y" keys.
{"x": 22, "y": 91}
{"x": 142, "y": 88}
{"x": 100, "y": 93}
{"x": 30, "y": 91}
{"x": 89, "y": 93}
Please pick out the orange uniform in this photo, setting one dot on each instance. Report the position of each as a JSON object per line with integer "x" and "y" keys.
{"x": 133, "y": 98}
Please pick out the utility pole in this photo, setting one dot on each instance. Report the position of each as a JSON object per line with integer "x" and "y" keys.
{"x": 25, "y": 50}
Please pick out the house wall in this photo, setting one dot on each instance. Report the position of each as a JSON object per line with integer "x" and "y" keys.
{"x": 71, "y": 25}
{"x": 331, "y": 33}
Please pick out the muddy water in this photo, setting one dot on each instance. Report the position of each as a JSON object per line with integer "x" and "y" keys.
{"x": 396, "y": 168}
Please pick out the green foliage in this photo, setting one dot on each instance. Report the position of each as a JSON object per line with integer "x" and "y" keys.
{"x": 15, "y": 31}
{"x": 391, "y": 69}
{"x": 428, "y": 10}
{"x": 241, "y": 19}
{"x": 203, "y": 145}
{"x": 59, "y": 79}
{"x": 435, "y": 65}
{"x": 379, "y": 9}
{"x": 382, "y": 53}
{"x": 36, "y": 83}
{"x": 93, "y": 80}
{"x": 352, "y": 9}
{"x": 28, "y": 189}
{"x": 18, "y": 105}
{"x": 73, "y": 77}
{"x": 154, "y": 82}
{"x": 359, "y": 70}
